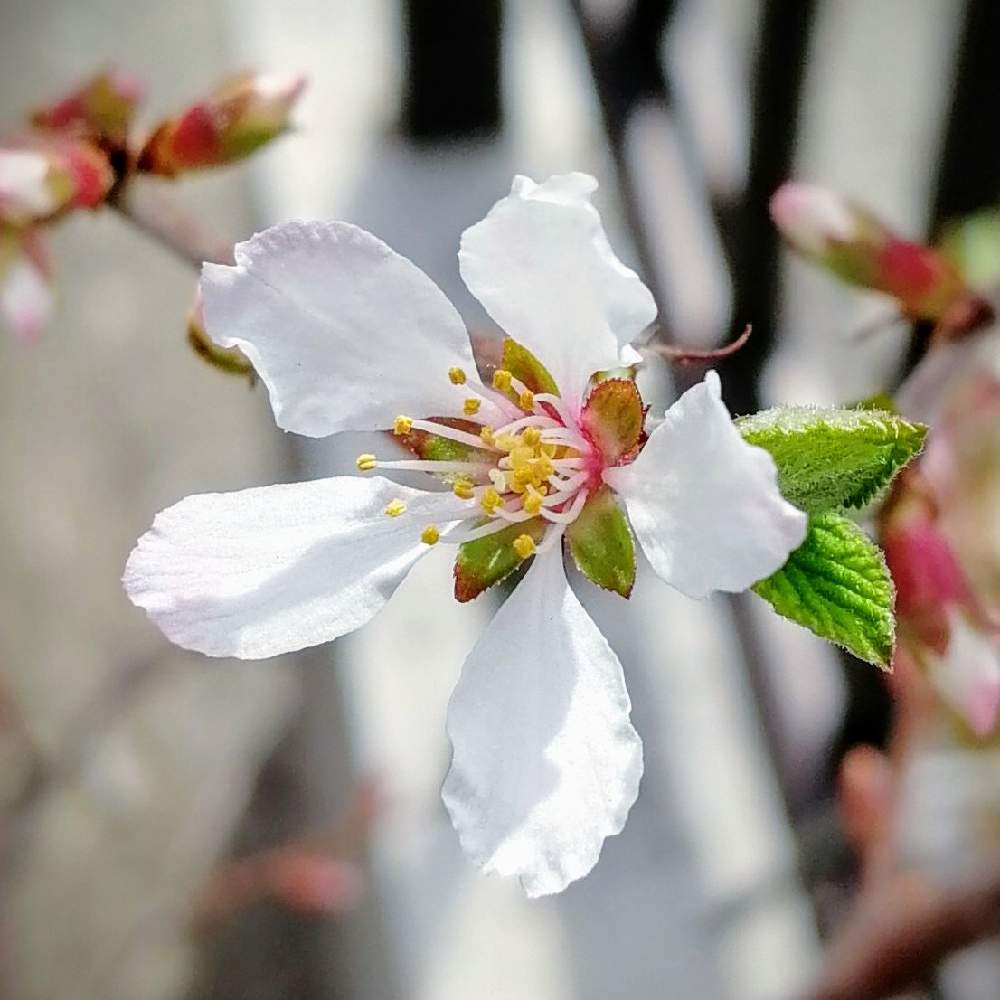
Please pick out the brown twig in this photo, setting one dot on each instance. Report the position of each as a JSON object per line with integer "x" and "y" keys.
{"x": 169, "y": 225}
{"x": 898, "y": 942}
{"x": 684, "y": 356}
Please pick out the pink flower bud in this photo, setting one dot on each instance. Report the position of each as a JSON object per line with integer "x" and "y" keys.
{"x": 43, "y": 177}
{"x": 25, "y": 283}
{"x": 850, "y": 241}
{"x": 102, "y": 108}
{"x": 236, "y": 120}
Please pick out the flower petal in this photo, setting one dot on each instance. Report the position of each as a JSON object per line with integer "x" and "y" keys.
{"x": 968, "y": 675}
{"x": 25, "y": 293}
{"x": 542, "y": 266}
{"x": 546, "y": 763}
{"x": 704, "y": 504}
{"x": 278, "y": 568}
{"x": 345, "y": 333}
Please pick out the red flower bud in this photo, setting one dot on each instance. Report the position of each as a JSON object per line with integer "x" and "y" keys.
{"x": 102, "y": 108}
{"x": 233, "y": 122}
{"x": 851, "y": 242}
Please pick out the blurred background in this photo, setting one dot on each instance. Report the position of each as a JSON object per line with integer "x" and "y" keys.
{"x": 178, "y": 827}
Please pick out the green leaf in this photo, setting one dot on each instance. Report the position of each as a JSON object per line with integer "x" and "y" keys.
{"x": 836, "y": 584}
{"x": 525, "y": 367}
{"x": 601, "y": 542}
{"x": 613, "y": 416}
{"x": 833, "y": 458}
{"x": 486, "y": 561}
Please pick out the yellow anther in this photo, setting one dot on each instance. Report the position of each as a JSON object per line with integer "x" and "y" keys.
{"x": 486, "y": 436}
{"x": 532, "y": 502}
{"x": 471, "y": 406}
{"x": 365, "y": 462}
{"x": 521, "y": 456}
{"x": 456, "y": 376}
{"x": 507, "y": 441}
{"x": 395, "y": 507}
{"x": 463, "y": 489}
{"x": 402, "y": 425}
{"x": 524, "y": 546}
{"x": 542, "y": 467}
{"x": 549, "y": 450}
{"x": 490, "y": 500}
{"x": 430, "y": 535}
{"x": 526, "y": 400}
{"x": 532, "y": 436}
{"x": 502, "y": 380}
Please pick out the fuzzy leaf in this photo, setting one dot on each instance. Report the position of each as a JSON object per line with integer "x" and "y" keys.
{"x": 833, "y": 458}
{"x": 524, "y": 366}
{"x": 602, "y": 546}
{"x": 613, "y": 416}
{"x": 837, "y": 585}
{"x": 486, "y": 561}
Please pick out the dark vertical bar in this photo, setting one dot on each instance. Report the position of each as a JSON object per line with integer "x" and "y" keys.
{"x": 451, "y": 69}
{"x": 783, "y": 48}
{"x": 969, "y": 173}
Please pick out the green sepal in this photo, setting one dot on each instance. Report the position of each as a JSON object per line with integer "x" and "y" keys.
{"x": 601, "y": 543}
{"x": 837, "y": 585}
{"x": 484, "y": 562}
{"x": 434, "y": 448}
{"x": 526, "y": 368}
{"x": 613, "y": 416}
{"x": 972, "y": 245}
{"x": 833, "y": 458}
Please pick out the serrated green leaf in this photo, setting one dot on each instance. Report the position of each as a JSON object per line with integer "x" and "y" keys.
{"x": 486, "y": 561}
{"x": 601, "y": 543}
{"x": 837, "y": 584}
{"x": 833, "y": 458}
{"x": 526, "y": 368}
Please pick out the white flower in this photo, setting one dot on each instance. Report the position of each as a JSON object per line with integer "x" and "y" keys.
{"x": 25, "y": 191}
{"x": 348, "y": 335}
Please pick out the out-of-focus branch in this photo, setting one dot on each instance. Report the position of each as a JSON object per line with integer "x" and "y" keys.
{"x": 898, "y": 941}
{"x": 316, "y": 873}
{"x": 682, "y": 356}
{"x": 169, "y": 225}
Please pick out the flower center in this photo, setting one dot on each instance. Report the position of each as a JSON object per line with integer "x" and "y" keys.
{"x": 539, "y": 466}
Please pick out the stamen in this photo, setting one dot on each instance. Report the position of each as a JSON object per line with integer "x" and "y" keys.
{"x": 502, "y": 380}
{"x": 533, "y": 501}
{"x": 471, "y": 406}
{"x": 456, "y": 376}
{"x": 486, "y": 436}
{"x": 365, "y": 462}
{"x": 490, "y": 500}
{"x": 427, "y": 465}
{"x": 532, "y": 436}
{"x": 571, "y": 513}
{"x": 526, "y": 400}
{"x": 402, "y": 425}
{"x": 524, "y": 546}
{"x": 395, "y": 507}
{"x": 538, "y": 420}
{"x": 451, "y": 433}
{"x": 463, "y": 489}
{"x": 558, "y": 405}
{"x": 430, "y": 535}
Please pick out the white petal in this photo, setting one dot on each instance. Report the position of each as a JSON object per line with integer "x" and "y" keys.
{"x": 968, "y": 675}
{"x": 25, "y": 298}
{"x": 542, "y": 266}
{"x": 546, "y": 763}
{"x": 345, "y": 333}
{"x": 278, "y": 568}
{"x": 24, "y": 192}
{"x": 704, "y": 504}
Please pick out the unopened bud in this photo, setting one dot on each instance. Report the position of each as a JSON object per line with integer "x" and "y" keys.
{"x": 233, "y": 122}
{"x": 850, "y": 241}
{"x": 40, "y": 179}
{"x": 25, "y": 283}
{"x": 227, "y": 359}
{"x": 101, "y": 108}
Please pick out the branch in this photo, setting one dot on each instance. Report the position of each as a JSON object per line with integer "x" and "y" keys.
{"x": 895, "y": 943}
{"x": 169, "y": 225}
{"x": 683, "y": 356}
